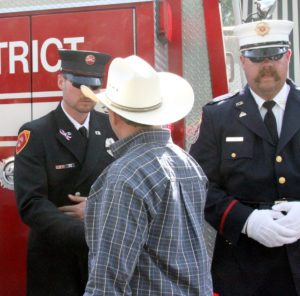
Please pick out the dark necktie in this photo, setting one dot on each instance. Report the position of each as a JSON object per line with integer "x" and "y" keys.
{"x": 270, "y": 121}
{"x": 83, "y": 132}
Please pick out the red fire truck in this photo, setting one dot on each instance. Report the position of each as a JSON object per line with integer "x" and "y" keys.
{"x": 180, "y": 36}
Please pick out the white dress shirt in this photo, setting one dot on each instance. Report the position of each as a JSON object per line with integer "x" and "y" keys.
{"x": 278, "y": 109}
{"x": 75, "y": 123}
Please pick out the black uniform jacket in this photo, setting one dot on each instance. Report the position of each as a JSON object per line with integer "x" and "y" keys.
{"x": 53, "y": 164}
{"x": 246, "y": 171}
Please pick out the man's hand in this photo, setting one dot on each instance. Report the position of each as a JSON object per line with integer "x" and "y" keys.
{"x": 76, "y": 211}
{"x": 292, "y": 218}
{"x": 263, "y": 227}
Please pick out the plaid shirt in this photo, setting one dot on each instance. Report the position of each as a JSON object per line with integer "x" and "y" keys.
{"x": 144, "y": 221}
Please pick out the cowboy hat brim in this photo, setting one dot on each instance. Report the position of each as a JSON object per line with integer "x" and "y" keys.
{"x": 177, "y": 101}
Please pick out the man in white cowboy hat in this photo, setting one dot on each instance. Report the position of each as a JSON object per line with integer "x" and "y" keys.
{"x": 249, "y": 146}
{"x": 144, "y": 215}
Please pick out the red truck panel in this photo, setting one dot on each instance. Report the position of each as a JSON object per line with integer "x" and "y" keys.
{"x": 28, "y": 66}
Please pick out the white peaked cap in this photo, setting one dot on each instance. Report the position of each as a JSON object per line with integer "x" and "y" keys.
{"x": 265, "y": 33}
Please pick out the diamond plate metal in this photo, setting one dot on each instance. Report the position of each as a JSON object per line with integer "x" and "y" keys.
{"x": 195, "y": 63}
{"x": 196, "y": 71}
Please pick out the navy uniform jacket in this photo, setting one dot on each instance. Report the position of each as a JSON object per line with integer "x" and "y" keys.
{"x": 53, "y": 164}
{"x": 247, "y": 171}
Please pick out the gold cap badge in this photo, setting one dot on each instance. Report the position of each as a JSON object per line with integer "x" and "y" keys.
{"x": 262, "y": 29}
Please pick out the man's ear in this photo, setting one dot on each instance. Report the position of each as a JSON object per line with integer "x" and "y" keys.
{"x": 60, "y": 81}
{"x": 289, "y": 54}
{"x": 116, "y": 123}
{"x": 242, "y": 59}
{"x": 114, "y": 119}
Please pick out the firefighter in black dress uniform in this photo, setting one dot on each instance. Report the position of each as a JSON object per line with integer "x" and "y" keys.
{"x": 55, "y": 165}
{"x": 249, "y": 147}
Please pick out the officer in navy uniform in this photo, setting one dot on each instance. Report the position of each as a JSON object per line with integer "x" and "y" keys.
{"x": 250, "y": 151}
{"x": 55, "y": 166}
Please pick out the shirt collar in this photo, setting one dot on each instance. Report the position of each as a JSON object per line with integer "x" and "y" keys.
{"x": 155, "y": 135}
{"x": 74, "y": 122}
{"x": 280, "y": 98}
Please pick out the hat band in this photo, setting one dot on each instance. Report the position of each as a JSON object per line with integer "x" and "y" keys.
{"x": 81, "y": 73}
{"x": 132, "y": 109}
{"x": 266, "y": 44}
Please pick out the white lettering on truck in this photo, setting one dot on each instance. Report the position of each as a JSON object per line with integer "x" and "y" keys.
{"x": 23, "y": 49}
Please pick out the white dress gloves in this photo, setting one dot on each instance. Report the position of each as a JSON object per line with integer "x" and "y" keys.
{"x": 273, "y": 229}
{"x": 292, "y": 218}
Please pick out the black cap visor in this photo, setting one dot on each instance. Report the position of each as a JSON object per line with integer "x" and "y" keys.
{"x": 94, "y": 82}
{"x": 263, "y": 52}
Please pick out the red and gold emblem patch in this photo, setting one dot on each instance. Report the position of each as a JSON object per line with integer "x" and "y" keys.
{"x": 23, "y": 139}
{"x": 90, "y": 59}
{"x": 262, "y": 29}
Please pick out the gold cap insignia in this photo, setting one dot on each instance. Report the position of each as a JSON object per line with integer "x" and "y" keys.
{"x": 262, "y": 29}
{"x": 90, "y": 59}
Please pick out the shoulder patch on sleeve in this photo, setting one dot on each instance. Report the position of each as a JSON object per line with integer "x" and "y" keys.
{"x": 223, "y": 98}
{"x": 23, "y": 139}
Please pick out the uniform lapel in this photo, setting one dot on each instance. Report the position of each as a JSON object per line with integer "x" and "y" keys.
{"x": 249, "y": 115}
{"x": 291, "y": 122}
{"x": 68, "y": 136}
{"x": 96, "y": 147}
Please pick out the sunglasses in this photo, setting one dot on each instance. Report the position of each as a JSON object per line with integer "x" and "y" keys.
{"x": 77, "y": 85}
{"x": 276, "y": 57}
{"x": 92, "y": 87}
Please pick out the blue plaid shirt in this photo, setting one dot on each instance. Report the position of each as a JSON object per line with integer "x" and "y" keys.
{"x": 144, "y": 221}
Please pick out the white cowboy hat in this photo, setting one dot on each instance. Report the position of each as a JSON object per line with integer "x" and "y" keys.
{"x": 138, "y": 93}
